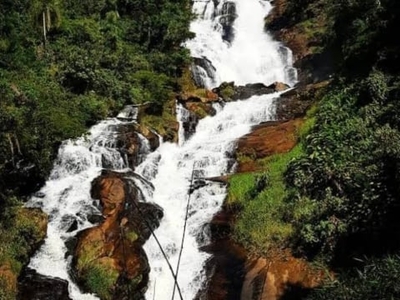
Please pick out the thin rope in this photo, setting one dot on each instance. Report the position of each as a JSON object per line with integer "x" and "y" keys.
{"x": 154, "y": 289}
{"x": 127, "y": 285}
{"x": 161, "y": 249}
{"x": 184, "y": 232}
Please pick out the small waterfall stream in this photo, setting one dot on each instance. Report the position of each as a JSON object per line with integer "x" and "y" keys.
{"x": 230, "y": 45}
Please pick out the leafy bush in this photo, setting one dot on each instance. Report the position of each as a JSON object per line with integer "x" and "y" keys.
{"x": 377, "y": 279}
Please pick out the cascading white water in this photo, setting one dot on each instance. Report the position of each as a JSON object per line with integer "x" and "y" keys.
{"x": 66, "y": 197}
{"x": 208, "y": 150}
{"x": 252, "y": 56}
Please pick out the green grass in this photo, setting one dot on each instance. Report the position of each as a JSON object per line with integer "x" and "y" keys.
{"x": 262, "y": 222}
{"x": 240, "y": 187}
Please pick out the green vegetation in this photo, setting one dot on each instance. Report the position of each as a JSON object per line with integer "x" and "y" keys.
{"x": 262, "y": 223}
{"x": 64, "y": 65}
{"x": 165, "y": 123}
{"x": 21, "y": 232}
{"x": 378, "y": 279}
{"x": 101, "y": 280}
{"x": 337, "y": 199}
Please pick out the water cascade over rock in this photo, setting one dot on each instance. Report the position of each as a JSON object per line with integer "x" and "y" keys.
{"x": 170, "y": 181}
{"x": 231, "y": 40}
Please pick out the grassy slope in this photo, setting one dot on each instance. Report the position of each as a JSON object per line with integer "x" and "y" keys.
{"x": 261, "y": 223}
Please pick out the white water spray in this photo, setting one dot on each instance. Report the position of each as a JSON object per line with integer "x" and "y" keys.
{"x": 66, "y": 197}
{"x": 252, "y": 56}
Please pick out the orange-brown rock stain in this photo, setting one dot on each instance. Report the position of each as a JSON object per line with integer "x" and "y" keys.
{"x": 265, "y": 140}
{"x": 279, "y": 275}
{"x": 107, "y": 245}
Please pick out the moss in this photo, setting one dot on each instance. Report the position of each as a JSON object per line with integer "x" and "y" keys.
{"x": 186, "y": 81}
{"x": 131, "y": 236}
{"x": 101, "y": 280}
{"x": 165, "y": 124}
{"x": 227, "y": 92}
{"x": 20, "y": 235}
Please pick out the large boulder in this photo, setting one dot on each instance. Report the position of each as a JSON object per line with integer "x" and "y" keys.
{"x": 108, "y": 258}
{"x": 226, "y": 19}
{"x": 202, "y": 68}
{"x": 135, "y": 141}
{"x": 34, "y": 286}
{"x": 294, "y": 103}
{"x": 228, "y": 91}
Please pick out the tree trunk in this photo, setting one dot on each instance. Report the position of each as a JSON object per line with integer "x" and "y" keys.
{"x": 44, "y": 27}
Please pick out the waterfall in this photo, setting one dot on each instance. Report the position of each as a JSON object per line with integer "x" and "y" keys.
{"x": 66, "y": 197}
{"x": 230, "y": 45}
{"x": 249, "y": 55}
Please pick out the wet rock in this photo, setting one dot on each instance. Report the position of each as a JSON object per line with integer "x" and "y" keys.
{"x": 70, "y": 244}
{"x": 312, "y": 66}
{"x": 279, "y": 86}
{"x": 112, "y": 251}
{"x": 95, "y": 219}
{"x": 73, "y": 226}
{"x": 202, "y": 68}
{"x": 147, "y": 219}
{"x": 226, "y": 19}
{"x": 39, "y": 194}
{"x": 135, "y": 142}
{"x": 294, "y": 103}
{"x": 225, "y": 270}
{"x": 189, "y": 124}
{"x": 34, "y": 286}
{"x": 229, "y": 92}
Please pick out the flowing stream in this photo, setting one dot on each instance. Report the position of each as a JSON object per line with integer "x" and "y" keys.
{"x": 231, "y": 45}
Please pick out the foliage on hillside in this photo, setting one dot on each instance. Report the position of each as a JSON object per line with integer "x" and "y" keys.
{"x": 340, "y": 199}
{"x": 350, "y": 171}
{"x": 66, "y": 64}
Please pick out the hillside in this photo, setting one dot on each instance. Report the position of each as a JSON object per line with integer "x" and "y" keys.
{"x": 333, "y": 199}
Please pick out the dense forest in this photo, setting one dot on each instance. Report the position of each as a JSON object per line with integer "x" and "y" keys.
{"x": 64, "y": 65}
{"x": 349, "y": 175}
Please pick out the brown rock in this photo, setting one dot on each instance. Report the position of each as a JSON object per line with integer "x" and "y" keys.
{"x": 275, "y": 277}
{"x": 295, "y": 103}
{"x": 112, "y": 251}
{"x": 129, "y": 142}
{"x": 211, "y": 97}
{"x": 279, "y": 86}
{"x": 267, "y": 139}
